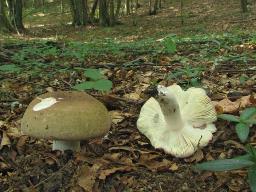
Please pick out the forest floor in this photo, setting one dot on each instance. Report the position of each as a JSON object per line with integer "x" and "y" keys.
{"x": 222, "y": 63}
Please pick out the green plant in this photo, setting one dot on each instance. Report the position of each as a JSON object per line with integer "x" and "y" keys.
{"x": 191, "y": 75}
{"x": 96, "y": 81}
{"x": 10, "y": 68}
{"x": 169, "y": 44}
{"x": 246, "y": 161}
{"x": 244, "y": 122}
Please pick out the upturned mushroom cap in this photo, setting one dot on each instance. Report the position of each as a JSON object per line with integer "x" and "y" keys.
{"x": 66, "y": 115}
{"x": 179, "y": 122}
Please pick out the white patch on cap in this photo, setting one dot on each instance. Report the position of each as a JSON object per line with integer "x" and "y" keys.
{"x": 45, "y": 103}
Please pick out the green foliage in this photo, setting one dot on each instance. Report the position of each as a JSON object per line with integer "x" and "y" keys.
{"x": 187, "y": 76}
{"x": 97, "y": 81}
{"x": 169, "y": 44}
{"x": 11, "y": 68}
{"x": 246, "y": 161}
{"x": 243, "y": 79}
{"x": 246, "y": 119}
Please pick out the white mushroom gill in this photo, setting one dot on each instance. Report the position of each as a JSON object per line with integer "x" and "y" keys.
{"x": 179, "y": 121}
{"x": 45, "y": 103}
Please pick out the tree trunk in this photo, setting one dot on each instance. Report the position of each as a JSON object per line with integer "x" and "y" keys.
{"x": 244, "y": 4}
{"x": 15, "y": 14}
{"x": 79, "y": 12}
{"x": 155, "y": 7}
{"x": 103, "y": 12}
{"x": 94, "y": 7}
{"x": 128, "y": 6}
{"x": 118, "y": 7}
{"x": 5, "y": 25}
{"x": 111, "y": 13}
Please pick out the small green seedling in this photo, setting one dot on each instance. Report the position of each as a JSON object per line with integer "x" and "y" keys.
{"x": 245, "y": 161}
{"x": 244, "y": 122}
{"x": 96, "y": 81}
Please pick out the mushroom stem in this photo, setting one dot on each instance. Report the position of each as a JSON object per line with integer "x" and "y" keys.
{"x": 171, "y": 111}
{"x": 63, "y": 145}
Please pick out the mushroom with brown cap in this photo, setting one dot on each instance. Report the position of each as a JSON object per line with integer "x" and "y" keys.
{"x": 179, "y": 122}
{"x": 66, "y": 117}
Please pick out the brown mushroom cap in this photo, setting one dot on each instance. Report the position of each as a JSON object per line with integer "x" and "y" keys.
{"x": 76, "y": 116}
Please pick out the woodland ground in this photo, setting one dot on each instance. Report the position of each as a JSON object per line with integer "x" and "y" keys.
{"x": 216, "y": 50}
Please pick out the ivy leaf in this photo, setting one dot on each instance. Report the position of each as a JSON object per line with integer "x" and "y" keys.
{"x": 224, "y": 164}
{"x": 228, "y": 117}
{"x": 242, "y": 131}
{"x": 93, "y": 74}
{"x": 103, "y": 85}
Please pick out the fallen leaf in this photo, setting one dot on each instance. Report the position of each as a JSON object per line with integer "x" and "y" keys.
{"x": 88, "y": 176}
{"x": 117, "y": 116}
{"x": 227, "y": 106}
{"x": 107, "y": 172}
{"x": 5, "y": 141}
{"x": 20, "y": 144}
{"x": 132, "y": 96}
{"x": 198, "y": 156}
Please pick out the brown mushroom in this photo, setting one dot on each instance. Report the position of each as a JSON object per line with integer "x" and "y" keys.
{"x": 66, "y": 117}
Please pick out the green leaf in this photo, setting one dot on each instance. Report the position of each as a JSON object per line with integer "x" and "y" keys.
{"x": 242, "y": 131}
{"x": 252, "y": 152}
{"x": 248, "y": 113}
{"x": 84, "y": 86}
{"x": 169, "y": 45}
{"x": 195, "y": 82}
{"x": 228, "y": 117}
{"x": 244, "y": 157}
{"x": 11, "y": 68}
{"x": 103, "y": 85}
{"x": 224, "y": 164}
{"x": 93, "y": 74}
{"x": 252, "y": 178}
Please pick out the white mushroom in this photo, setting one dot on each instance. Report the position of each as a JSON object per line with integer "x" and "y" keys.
{"x": 179, "y": 122}
{"x": 66, "y": 117}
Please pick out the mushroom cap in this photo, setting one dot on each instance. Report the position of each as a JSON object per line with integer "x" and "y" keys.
{"x": 197, "y": 114}
{"x": 66, "y": 115}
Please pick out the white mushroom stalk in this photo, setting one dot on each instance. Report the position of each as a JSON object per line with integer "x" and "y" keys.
{"x": 63, "y": 145}
{"x": 179, "y": 122}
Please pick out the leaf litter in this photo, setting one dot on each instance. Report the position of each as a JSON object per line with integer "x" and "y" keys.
{"x": 123, "y": 159}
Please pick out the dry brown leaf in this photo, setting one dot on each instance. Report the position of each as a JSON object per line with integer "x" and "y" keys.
{"x": 174, "y": 167}
{"x": 88, "y": 176}
{"x": 107, "y": 172}
{"x": 118, "y": 116}
{"x": 132, "y": 96}
{"x": 198, "y": 156}
{"x": 155, "y": 165}
{"x": 227, "y": 106}
{"x": 13, "y": 132}
{"x": 5, "y": 141}
{"x": 20, "y": 144}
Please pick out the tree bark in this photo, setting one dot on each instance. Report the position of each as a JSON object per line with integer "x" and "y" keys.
{"x": 15, "y": 14}
{"x": 118, "y": 7}
{"x": 5, "y": 25}
{"x": 128, "y": 6}
{"x": 244, "y": 4}
{"x": 103, "y": 13}
{"x": 79, "y": 12}
{"x": 94, "y": 7}
{"x": 111, "y": 13}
